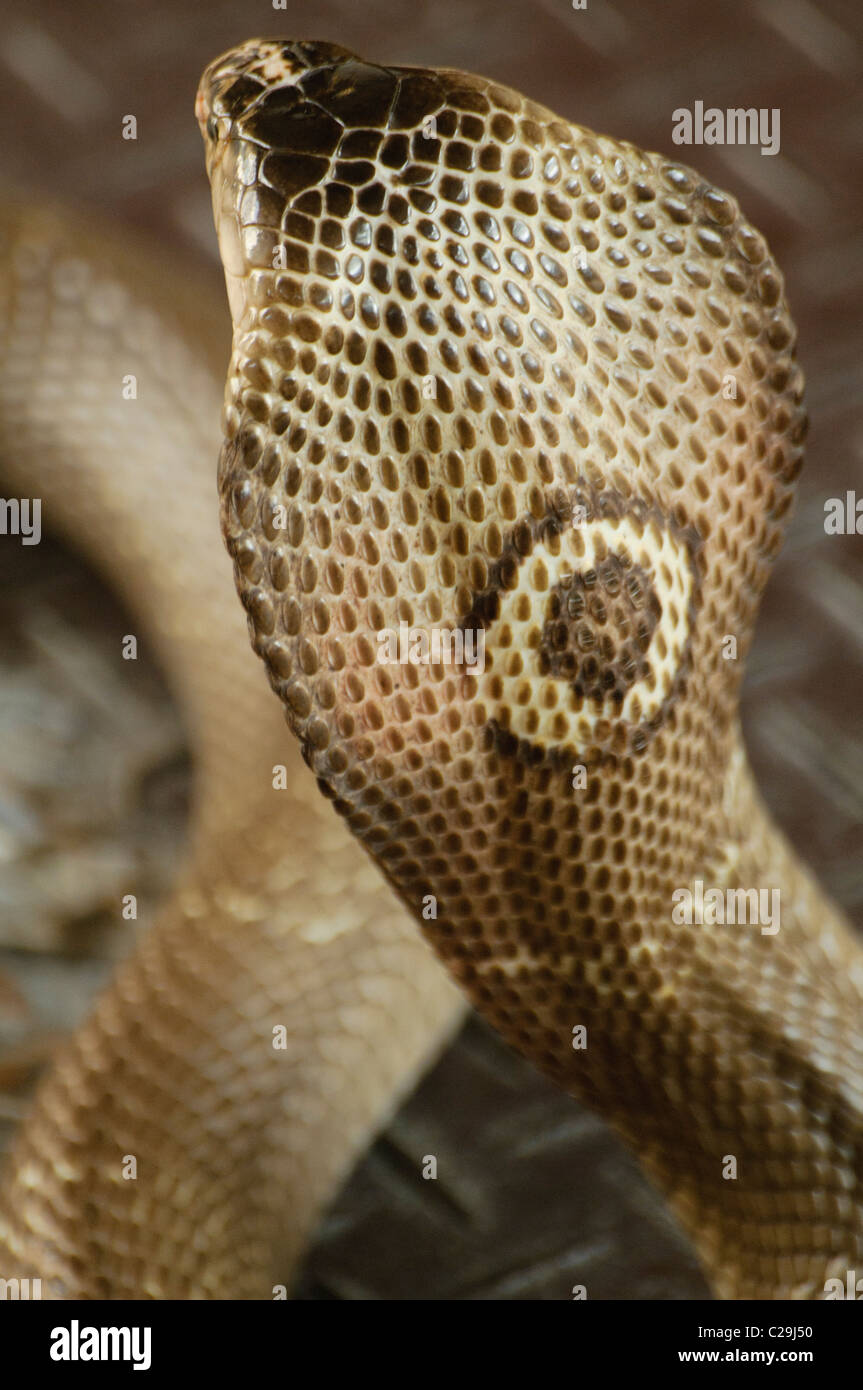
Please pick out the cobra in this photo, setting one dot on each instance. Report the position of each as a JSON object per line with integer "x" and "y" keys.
{"x": 491, "y": 374}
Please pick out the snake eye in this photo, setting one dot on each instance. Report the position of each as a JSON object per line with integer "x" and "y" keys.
{"x": 212, "y": 128}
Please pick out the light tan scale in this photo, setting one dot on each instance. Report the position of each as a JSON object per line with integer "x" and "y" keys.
{"x": 491, "y": 374}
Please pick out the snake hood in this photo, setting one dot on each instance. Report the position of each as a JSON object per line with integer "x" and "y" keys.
{"x": 463, "y": 325}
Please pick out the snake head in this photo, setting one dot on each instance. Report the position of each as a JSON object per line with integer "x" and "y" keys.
{"x": 272, "y": 114}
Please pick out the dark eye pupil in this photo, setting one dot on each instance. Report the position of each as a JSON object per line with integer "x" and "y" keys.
{"x": 212, "y": 127}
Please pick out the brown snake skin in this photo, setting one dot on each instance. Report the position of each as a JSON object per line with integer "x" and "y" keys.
{"x": 498, "y": 376}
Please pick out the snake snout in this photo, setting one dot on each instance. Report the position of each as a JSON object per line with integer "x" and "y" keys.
{"x": 261, "y": 75}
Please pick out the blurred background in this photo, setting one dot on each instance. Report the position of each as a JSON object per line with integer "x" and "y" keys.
{"x": 534, "y": 1195}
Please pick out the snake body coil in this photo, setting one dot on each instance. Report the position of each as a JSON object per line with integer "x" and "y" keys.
{"x": 278, "y": 931}
{"x": 512, "y": 426}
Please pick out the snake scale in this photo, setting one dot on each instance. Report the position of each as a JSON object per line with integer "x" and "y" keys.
{"x": 498, "y": 379}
